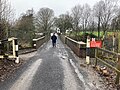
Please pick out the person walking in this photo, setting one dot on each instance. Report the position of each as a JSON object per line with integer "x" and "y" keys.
{"x": 54, "y": 38}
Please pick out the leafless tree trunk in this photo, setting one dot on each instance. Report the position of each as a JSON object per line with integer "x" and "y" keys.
{"x": 109, "y": 12}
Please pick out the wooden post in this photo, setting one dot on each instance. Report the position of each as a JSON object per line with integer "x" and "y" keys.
{"x": 34, "y": 43}
{"x": 13, "y": 44}
{"x": 88, "y": 50}
{"x": 114, "y": 43}
{"x": 96, "y": 53}
{"x": 16, "y": 50}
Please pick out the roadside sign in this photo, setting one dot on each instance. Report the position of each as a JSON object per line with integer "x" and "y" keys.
{"x": 96, "y": 43}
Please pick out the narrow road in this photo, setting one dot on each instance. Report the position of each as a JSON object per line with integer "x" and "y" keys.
{"x": 48, "y": 69}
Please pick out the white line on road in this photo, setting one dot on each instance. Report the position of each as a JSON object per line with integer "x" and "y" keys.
{"x": 25, "y": 79}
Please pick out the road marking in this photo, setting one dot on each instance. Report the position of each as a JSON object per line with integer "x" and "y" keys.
{"x": 25, "y": 79}
{"x": 80, "y": 76}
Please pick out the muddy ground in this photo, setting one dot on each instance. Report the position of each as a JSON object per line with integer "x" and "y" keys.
{"x": 8, "y": 67}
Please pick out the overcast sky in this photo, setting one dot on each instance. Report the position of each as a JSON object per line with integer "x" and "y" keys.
{"x": 59, "y": 6}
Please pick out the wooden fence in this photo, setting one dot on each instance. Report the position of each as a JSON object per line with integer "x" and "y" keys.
{"x": 109, "y": 59}
{"x": 12, "y": 42}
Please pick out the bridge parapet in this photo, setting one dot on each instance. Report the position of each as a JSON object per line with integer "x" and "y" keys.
{"x": 39, "y": 41}
{"x": 78, "y": 47}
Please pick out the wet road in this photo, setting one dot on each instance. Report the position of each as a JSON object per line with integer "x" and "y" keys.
{"x": 48, "y": 69}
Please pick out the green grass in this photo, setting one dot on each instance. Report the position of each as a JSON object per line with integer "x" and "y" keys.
{"x": 96, "y": 33}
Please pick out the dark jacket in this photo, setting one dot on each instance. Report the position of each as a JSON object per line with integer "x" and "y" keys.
{"x": 54, "y": 38}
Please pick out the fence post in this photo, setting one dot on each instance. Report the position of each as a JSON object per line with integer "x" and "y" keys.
{"x": 2, "y": 48}
{"x": 118, "y": 73}
{"x": 96, "y": 53}
{"x": 16, "y": 50}
{"x": 34, "y": 43}
{"x": 88, "y": 50}
{"x": 114, "y": 43}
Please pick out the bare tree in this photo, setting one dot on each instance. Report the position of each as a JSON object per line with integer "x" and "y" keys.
{"x": 6, "y": 15}
{"x": 97, "y": 9}
{"x": 44, "y": 18}
{"x": 105, "y": 11}
{"x": 86, "y": 12}
{"x": 63, "y": 22}
{"x": 92, "y": 24}
{"x": 115, "y": 25}
{"x": 109, "y": 12}
{"x": 76, "y": 14}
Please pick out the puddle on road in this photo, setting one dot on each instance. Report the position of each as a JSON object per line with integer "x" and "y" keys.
{"x": 80, "y": 76}
{"x": 25, "y": 79}
{"x": 69, "y": 79}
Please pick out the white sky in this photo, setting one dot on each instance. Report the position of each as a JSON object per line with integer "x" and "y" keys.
{"x": 59, "y": 6}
